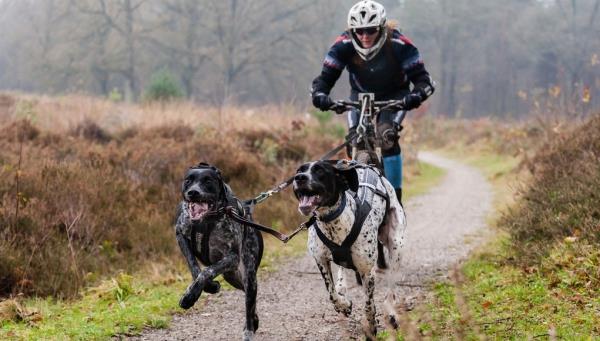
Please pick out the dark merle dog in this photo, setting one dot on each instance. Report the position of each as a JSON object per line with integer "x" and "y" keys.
{"x": 222, "y": 245}
{"x": 360, "y": 226}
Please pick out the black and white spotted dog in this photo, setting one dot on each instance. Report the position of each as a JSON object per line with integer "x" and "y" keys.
{"x": 360, "y": 226}
{"x": 222, "y": 245}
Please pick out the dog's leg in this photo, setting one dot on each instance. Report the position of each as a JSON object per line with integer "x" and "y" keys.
{"x": 341, "y": 284}
{"x": 250, "y": 261}
{"x": 369, "y": 287}
{"x": 251, "y": 316}
{"x": 391, "y": 309}
{"x": 340, "y": 303}
{"x": 186, "y": 250}
{"x": 193, "y": 292}
{"x": 391, "y": 235}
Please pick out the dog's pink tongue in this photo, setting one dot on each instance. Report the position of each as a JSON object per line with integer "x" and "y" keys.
{"x": 197, "y": 210}
{"x": 307, "y": 204}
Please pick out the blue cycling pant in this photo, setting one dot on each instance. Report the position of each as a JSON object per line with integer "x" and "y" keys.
{"x": 393, "y": 169}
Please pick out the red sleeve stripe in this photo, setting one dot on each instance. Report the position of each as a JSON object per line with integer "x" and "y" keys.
{"x": 406, "y": 40}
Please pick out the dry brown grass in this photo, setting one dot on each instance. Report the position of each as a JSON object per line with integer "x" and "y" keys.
{"x": 61, "y": 114}
{"x": 514, "y": 138}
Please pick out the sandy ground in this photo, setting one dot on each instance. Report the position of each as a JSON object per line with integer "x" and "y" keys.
{"x": 443, "y": 226}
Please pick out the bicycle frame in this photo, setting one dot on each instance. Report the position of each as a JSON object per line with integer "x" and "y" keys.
{"x": 367, "y": 126}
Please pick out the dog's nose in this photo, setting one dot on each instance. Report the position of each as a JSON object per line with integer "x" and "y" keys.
{"x": 301, "y": 177}
{"x": 193, "y": 193}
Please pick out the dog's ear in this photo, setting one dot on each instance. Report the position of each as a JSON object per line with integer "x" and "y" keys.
{"x": 303, "y": 167}
{"x": 202, "y": 165}
{"x": 348, "y": 175}
{"x": 213, "y": 168}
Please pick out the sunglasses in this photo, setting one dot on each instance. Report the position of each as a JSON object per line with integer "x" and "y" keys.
{"x": 367, "y": 30}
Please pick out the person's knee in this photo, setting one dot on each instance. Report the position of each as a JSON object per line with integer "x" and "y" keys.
{"x": 392, "y": 150}
{"x": 390, "y": 137}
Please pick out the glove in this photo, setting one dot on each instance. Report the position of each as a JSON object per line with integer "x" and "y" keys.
{"x": 322, "y": 101}
{"x": 412, "y": 101}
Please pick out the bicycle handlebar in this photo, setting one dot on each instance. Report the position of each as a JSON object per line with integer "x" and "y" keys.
{"x": 341, "y": 106}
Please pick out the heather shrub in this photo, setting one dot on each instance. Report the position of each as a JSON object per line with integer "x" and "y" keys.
{"x": 89, "y": 204}
{"x": 91, "y": 131}
{"x": 506, "y": 138}
{"x": 562, "y": 199}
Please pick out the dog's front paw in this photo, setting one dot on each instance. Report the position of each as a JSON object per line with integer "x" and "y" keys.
{"x": 212, "y": 287}
{"x": 191, "y": 295}
{"x": 392, "y": 322}
{"x": 343, "y": 307}
{"x": 187, "y": 300}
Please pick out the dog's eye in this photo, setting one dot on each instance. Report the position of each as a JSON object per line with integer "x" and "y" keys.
{"x": 187, "y": 182}
{"x": 302, "y": 169}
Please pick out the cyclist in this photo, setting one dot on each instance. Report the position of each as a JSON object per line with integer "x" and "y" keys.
{"x": 382, "y": 61}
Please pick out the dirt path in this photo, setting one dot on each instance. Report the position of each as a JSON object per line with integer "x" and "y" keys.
{"x": 443, "y": 226}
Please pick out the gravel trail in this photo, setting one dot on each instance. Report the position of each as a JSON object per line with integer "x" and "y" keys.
{"x": 443, "y": 226}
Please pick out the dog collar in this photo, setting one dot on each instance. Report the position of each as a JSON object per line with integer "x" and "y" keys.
{"x": 336, "y": 213}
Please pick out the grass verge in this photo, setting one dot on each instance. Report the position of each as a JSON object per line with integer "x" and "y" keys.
{"x": 121, "y": 306}
{"x": 491, "y": 296}
{"x": 427, "y": 177}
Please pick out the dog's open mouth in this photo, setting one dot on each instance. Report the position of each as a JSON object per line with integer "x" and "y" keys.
{"x": 308, "y": 203}
{"x": 198, "y": 210}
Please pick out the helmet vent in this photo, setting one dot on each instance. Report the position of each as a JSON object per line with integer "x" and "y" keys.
{"x": 367, "y": 13}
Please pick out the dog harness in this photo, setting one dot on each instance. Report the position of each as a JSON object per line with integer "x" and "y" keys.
{"x": 369, "y": 185}
{"x": 201, "y": 233}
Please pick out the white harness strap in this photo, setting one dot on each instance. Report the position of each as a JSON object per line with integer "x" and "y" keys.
{"x": 370, "y": 179}
{"x": 366, "y": 184}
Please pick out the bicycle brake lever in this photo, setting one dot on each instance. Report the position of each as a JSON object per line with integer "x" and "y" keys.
{"x": 339, "y": 108}
{"x": 395, "y": 105}
{"x": 400, "y": 104}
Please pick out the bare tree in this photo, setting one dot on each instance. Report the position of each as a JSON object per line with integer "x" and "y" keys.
{"x": 181, "y": 38}
{"x": 246, "y": 33}
{"x": 119, "y": 16}
{"x": 485, "y": 56}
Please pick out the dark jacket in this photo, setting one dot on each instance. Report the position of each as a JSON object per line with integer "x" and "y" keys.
{"x": 388, "y": 74}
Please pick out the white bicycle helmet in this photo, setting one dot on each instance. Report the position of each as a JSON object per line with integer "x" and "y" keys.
{"x": 367, "y": 13}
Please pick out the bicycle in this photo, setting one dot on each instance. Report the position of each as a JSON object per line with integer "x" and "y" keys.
{"x": 367, "y": 147}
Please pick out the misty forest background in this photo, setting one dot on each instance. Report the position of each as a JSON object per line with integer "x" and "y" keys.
{"x": 501, "y": 58}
